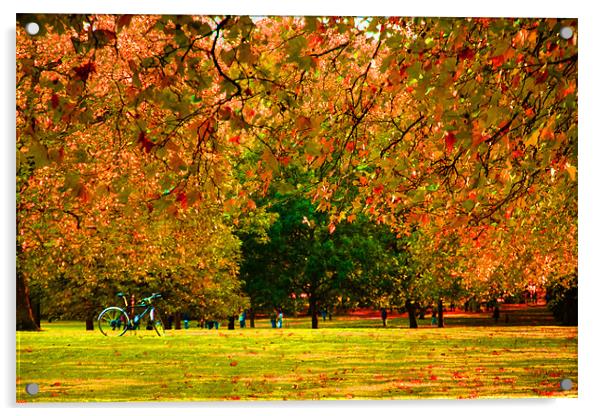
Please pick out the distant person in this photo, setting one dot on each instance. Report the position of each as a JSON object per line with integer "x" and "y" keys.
{"x": 231, "y": 322}
{"x": 383, "y": 316}
{"x": 274, "y": 318}
{"x": 323, "y": 312}
{"x": 280, "y": 319}
{"x": 434, "y": 318}
{"x": 496, "y": 313}
{"x": 452, "y": 307}
{"x": 242, "y": 319}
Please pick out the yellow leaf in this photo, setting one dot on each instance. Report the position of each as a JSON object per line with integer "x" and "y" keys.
{"x": 532, "y": 141}
{"x": 572, "y": 171}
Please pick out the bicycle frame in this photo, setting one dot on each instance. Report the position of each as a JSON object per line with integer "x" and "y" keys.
{"x": 128, "y": 316}
{"x": 148, "y": 309}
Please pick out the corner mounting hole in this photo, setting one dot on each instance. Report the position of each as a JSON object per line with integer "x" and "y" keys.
{"x": 32, "y": 28}
{"x": 566, "y": 32}
{"x": 566, "y": 384}
{"x": 32, "y": 389}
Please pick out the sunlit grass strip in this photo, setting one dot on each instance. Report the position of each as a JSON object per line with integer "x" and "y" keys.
{"x": 297, "y": 364}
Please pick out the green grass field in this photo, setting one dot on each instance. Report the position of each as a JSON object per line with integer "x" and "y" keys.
{"x": 350, "y": 357}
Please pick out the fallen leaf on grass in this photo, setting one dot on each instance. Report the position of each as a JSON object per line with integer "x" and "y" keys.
{"x": 545, "y": 393}
{"x": 233, "y": 364}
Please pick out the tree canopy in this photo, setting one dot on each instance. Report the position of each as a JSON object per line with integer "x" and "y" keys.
{"x": 144, "y": 142}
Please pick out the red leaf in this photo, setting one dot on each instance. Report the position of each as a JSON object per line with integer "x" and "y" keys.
{"x": 497, "y": 61}
{"x": 84, "y": 71}
{"x": 569, "y": 90}
{"x": 235, "y": 139}
{"x": 450, "y": 140}
{"x": 54, "y": 101}
{"x": 517, "y": 153}
{"x": 144, "y": 141}
{"x": 457, "y": 375}
{"x": 466, "y": 53}
{"x": 182, "y": 199}
{"x": 433, "y": 377}
{"x": 284, "y": 160}
{"x": 350, "y": 146}
{"x": 541, "y": 77}
{"x": 331, "y": 228}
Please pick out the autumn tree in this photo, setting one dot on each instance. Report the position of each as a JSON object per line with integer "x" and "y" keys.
{"x": 415, "y": 122}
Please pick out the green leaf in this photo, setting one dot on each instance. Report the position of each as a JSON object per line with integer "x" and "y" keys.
{"x": 468, "y": 204}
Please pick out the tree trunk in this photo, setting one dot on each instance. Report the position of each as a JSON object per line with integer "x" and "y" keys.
{"x": 178, "y": 320}
{"x": 90, "y": 324}
{"x": 411, "y": 314}
{"x": 313, "y": 310}
{"x": 37, "y": 311}
{"x": 25, "y": 317}
{"x": 252, "y": 318}
{"x": 440, "y": 313}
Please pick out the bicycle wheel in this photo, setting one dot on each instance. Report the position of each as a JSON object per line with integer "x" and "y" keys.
{"x": 157, "y": 323}
{"x": 113, "y": 322}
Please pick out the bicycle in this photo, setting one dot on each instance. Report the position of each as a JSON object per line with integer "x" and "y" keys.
{"x": 115, "y": 321}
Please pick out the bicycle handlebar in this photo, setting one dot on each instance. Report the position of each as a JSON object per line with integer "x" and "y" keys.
{"x": 144, "y": 300}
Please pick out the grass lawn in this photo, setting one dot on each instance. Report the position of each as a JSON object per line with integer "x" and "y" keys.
{"x": 351, "y": 357}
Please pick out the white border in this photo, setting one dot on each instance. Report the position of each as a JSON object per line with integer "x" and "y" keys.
{"x": 590, "y": 157}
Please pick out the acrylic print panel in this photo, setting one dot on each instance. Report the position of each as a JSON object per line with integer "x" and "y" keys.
{"x": 349, "y": 208}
